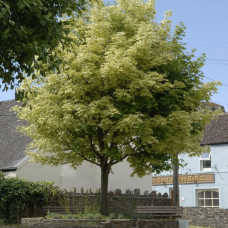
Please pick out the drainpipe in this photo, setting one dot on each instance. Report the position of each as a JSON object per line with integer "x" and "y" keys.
{"x": 175, "y": 182}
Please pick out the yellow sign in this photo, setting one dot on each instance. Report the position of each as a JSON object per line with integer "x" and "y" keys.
{"x": 184, "y": 179}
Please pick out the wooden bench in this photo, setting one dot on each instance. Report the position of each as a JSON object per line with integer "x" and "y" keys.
{"x": 60, "y": 209}
{"x": 154, "y": 211}
{"x": 160, "y": 211}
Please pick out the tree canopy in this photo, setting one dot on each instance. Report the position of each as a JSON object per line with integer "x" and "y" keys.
{"x": 127, "y": 89}
{"x": 30, "y": 30}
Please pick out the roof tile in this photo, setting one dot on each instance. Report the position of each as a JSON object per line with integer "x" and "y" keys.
{"x": 12, "y": 143}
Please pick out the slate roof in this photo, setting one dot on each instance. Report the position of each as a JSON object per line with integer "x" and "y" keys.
{"x": 217, "y": 131}
{"x": 12, "y": 143}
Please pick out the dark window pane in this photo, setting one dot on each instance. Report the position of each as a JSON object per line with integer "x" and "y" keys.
{"x": 215, "y": 202}
{"x": 215, "y": 194}
{"x": 208, "y": 202}
{"x": 200, "y": 203}
{"x": 207, "y": 164}
{"x": 208, "y": 194}
{"x": 201, "y": 194}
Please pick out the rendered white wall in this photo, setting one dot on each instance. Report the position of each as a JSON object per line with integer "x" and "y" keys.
{"x": 35, "y": 172}
{"x": 86, "y": 176}
{"x": 219, "y": 167}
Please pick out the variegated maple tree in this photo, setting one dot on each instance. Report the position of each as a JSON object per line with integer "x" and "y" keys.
{"x": 127, "y": 89}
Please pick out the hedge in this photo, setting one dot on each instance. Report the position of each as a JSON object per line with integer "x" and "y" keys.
{"x": 20, "y": 198}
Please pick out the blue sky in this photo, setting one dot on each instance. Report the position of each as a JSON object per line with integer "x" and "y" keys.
{"x": 206, "y": 30}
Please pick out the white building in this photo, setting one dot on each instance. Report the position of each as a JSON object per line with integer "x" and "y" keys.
{"x": 203, "y": 180}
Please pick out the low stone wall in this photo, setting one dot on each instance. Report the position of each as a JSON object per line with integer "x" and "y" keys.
{"x": 115, "y": 223}
{"x": 127, "y": 204}
{"x": 117, "y": 203}
{"x": 212, "y": 217}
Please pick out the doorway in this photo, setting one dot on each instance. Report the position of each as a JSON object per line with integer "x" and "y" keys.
{"x": 171, "y": 194}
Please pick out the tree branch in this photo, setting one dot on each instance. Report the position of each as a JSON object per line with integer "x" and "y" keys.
{"x": 112, "y": 144}
{"x": 85, "y": 158}
{"x": 100, "y": 139}
{"x": 68, "y": 144}
{"x": 92, "y": 146}
{"x": 119, "y": 160}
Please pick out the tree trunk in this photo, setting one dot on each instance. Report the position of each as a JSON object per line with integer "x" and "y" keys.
{"x": 105, "y": 169}
{"x": 175, "y": 183}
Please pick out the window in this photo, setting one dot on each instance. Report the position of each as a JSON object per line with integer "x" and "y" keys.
{"x": 208, "y": 198}
{"x": 205, "y": 162}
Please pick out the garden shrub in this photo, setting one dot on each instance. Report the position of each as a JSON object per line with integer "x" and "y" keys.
{"x": 20, "y": 198}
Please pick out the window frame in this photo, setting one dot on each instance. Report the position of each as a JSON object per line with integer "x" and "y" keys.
{"x": 204, "y": 198}
{"x": 203, "y": 160}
